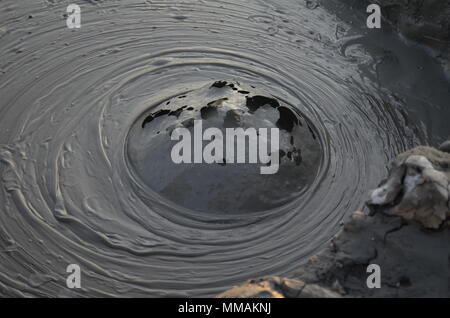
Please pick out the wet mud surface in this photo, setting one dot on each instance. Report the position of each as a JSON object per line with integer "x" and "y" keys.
{"x": 80, "y": 184}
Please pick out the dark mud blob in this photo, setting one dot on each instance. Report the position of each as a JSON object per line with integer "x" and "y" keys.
{"x": 223, "y": 186}
{"x": 287, "y": 120}
{"x": 255, "y": 102}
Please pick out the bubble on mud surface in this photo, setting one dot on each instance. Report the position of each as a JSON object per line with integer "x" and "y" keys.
{"x": 225, "y": 187}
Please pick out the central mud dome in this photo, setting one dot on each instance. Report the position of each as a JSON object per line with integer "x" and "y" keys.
{"x": 227, "y": 185}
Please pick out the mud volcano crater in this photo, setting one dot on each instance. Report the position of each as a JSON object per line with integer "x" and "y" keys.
{"x": 224, "y": 186}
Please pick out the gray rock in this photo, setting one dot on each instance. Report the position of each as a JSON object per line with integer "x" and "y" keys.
{"x": 417, "y": 187}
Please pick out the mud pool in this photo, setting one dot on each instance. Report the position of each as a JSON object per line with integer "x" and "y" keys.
{"x": 79, "y": 186}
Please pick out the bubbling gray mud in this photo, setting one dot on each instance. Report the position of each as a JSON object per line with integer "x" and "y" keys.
{"x": 70, "y": 100}
{"x": 225, "y": 186}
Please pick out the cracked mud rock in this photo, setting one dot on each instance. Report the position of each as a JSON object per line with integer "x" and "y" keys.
{"x": 409, "y": 239}
{"x": 426, "y": 22}
{"x": 417, "y": 187}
